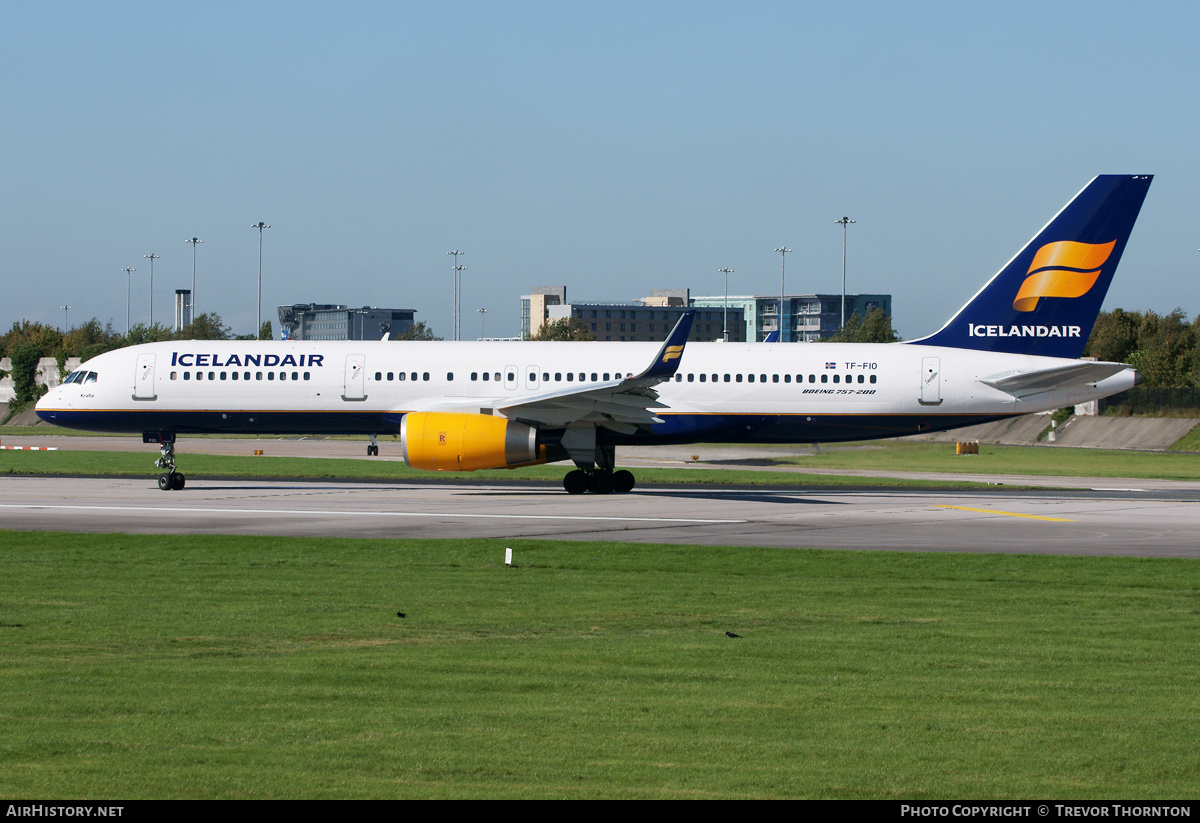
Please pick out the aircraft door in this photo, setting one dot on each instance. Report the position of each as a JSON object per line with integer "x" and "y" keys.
{"x": 511, "y": 380}
{"x": 931, "y": 381}
{"x": 143, "y": 378}
{"x": 356, "y": 377}
{"x": 533, "y": 377}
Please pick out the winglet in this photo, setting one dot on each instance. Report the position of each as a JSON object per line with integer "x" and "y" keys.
{"x": 666, "y": 362}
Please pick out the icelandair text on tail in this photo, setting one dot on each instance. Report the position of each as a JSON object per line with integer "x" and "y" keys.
{"x": 980, "y": 330}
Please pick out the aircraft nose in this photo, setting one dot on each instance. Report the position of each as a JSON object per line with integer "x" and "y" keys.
{"x": 44, "y": 406}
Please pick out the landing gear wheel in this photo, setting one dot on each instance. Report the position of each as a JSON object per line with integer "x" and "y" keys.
{"x": 164, "y": 482}
{"x": 372, "y": 451}
{"x": 622, "y": 481}
{"x": 601, "y": 482}
{"x": 576, "y": 482}
{"x": 177, "y": 481}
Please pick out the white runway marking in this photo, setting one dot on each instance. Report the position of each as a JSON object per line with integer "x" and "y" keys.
{"x": 320, "y": 512}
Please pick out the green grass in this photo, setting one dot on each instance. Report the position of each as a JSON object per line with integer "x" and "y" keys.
{"x": 1190, "y": 442}
{"x": 100, "y": 463}
{"x": 899, "y": 455}
{"x": 221, "y": 667}
{"x": 885, "y": 455}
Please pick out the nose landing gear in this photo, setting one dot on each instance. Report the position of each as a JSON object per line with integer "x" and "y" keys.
{"x": 170, "y": 480}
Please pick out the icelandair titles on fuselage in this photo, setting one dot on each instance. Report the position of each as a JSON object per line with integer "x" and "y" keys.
{"x": 189, "y": 360}
{"x": 981, "y": 330}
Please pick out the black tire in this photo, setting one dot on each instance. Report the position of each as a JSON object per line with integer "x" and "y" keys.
{"x": 164, "y": 482}
{"x": 576, "y": 482}
{"x": 178, "y": 481}
{"x": 623, "y": 481}
{"x": 601, "y": 482}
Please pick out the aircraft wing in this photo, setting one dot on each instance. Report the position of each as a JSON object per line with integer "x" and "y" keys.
{"x": 621, "y": 405}
{"x": 1079, "y": 373}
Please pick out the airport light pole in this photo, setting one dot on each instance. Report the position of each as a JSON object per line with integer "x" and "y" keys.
{"x": 725, "y": 321}
{"x": 194, "y": 241}
{"x": 151, "y": 257}
{"x": 783, "y": 251}
{"x": 457, "y": 269}
{"x": 128, "y": 274}
{"x": 845, "y": 221}
{"x": 260, "y": 226}
{"x": 482, "y": 318}
{"x": 66, "y": 323}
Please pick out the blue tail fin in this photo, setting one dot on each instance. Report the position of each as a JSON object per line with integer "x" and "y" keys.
{"x": 1045, "y": 301}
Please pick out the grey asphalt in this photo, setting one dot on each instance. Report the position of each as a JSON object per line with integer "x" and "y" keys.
{"x": 1085, "y": 516}
{"x": 1148, "y": 523}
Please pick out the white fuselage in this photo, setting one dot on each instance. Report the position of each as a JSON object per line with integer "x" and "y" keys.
{"x": 782, "y": 392}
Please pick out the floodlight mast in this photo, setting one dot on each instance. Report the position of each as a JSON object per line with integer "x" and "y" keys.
{"x": 783, "y": 251}
{"x": 194, "y": 241}
{"x": 725, "y": 320}
{"x": 151, "y": 257}
{"x": 260, "y": 226}
{"x": 128, "y": 274}
{"x": 845, "y": 221}
{"x": 457, "y": 309}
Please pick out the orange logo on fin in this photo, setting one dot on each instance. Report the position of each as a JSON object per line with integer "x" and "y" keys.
{"x": 672, "y": 353}
{"x": 1062, "y": 269}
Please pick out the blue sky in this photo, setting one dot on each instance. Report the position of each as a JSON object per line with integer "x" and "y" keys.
{"x": 611, "y": 147}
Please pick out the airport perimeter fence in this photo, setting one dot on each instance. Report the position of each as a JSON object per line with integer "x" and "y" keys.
{"x": 1181, "y": 402}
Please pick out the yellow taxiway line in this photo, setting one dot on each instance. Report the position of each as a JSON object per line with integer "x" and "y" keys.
{"x": 1010, "y": 514}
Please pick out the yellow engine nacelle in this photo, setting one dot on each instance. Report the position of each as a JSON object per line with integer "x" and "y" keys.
{"x": 463, "y": 442}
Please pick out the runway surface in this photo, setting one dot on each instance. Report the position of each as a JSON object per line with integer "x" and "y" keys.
{"x": 1103, "y": 516}
{"x": 1150, "y": 523}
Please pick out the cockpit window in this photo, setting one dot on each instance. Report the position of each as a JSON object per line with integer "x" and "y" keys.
{"x": 74, "y": 377}
{"x": 91, "y": 377}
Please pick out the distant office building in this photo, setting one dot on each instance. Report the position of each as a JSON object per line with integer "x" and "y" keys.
{"x": 183, "y": 309}
{"x": 806, "y": 317}
{"x": 327, "y": 321}
{"x": 535, "y": 307}
{"x": 647, "y": 320}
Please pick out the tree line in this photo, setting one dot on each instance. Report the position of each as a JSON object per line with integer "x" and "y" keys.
{"x": 28, "y": 342}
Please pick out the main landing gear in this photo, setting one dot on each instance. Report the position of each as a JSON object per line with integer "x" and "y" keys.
{"x": 598, "y": 481}
{"x": 595, "y": 472}
{"x": 170, "y": 480}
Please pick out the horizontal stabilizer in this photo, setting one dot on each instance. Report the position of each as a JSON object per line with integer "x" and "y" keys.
{"x": 1080, "y": 373}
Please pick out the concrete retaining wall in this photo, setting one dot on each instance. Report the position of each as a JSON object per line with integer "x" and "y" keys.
{"x": 47, "y": 375}
{"x": 1151, "y": 433}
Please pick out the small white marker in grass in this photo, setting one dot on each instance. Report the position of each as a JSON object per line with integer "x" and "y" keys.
{"x": 508, "y": 557}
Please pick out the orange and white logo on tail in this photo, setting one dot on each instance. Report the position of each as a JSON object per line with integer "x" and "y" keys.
{"x": 672, "y": 353}
{"x": 1062, "y": 269}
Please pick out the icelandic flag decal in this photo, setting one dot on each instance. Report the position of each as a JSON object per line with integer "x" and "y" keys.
{"x": 830, "y": 365}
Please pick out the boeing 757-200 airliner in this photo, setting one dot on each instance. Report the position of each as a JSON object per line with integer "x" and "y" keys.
{"x": 1012, "y": 349}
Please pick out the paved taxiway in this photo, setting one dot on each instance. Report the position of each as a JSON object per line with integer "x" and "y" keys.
{"x": 1081, "y": 516}
{"x": 1141, "y": 523}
